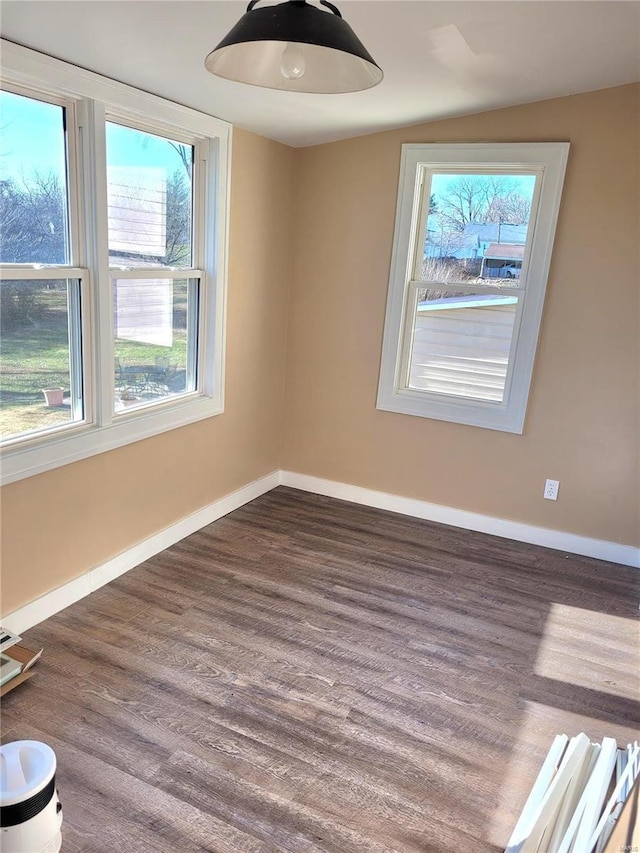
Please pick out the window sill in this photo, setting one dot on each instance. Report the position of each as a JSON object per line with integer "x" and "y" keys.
{"x": 48, "y": 452}
{"x": 456, "y": 410}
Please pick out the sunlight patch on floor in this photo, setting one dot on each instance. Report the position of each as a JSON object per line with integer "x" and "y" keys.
{"x": 582, "y": 647}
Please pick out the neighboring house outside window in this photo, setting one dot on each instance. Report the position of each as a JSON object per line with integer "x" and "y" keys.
{"x": 474, "y": 232}
{"x": 113, "y": 217}
{"x": 502, "y": 260}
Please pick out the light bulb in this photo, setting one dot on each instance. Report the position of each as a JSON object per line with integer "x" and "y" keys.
{"x": 292, "y": 64}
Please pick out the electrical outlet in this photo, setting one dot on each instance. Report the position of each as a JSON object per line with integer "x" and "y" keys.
{"x": 551, "y": 490}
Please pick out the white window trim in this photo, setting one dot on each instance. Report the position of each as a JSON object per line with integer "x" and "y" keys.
{"x": 393, "y": 396}
{"x": 94, "y": 97}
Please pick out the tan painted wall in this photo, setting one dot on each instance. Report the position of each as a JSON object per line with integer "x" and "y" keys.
{"x": 582, "y": 422}
{"x": 61, "y": 524}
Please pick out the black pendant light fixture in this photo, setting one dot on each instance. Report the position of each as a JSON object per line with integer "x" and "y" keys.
{"x": 297, "y": 47}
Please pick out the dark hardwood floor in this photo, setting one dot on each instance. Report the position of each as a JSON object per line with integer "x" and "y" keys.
{"x": 311, "y": 675}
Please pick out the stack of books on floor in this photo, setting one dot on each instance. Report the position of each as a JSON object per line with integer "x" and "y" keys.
{"x": 579, "y": 799}
{"x": 16, "y": 661}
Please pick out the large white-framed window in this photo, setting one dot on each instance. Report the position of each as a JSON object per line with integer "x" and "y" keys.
{"x": 113, "y": 218}
{"x": 475, "y": 226}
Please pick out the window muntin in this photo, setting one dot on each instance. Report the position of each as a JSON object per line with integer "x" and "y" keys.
{"x": 450, "y": 276}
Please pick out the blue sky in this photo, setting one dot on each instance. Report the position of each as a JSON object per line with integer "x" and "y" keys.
{"x": 129, "y": 147}
{"x": 32, "y": 140}
{"x": 31, "y": 137}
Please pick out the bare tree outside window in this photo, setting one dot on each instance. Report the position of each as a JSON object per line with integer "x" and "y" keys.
{"x": 469, "y": 215}
{"x": 482, "y": 198}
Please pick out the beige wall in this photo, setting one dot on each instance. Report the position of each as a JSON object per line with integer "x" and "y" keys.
{"x": 60, "y": 524}
{"x": 582, "y": 421}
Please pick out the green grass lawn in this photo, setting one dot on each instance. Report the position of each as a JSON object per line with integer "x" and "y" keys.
{"x": 35, "y": 355}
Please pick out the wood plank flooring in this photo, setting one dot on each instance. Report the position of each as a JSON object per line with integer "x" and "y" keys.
{"x": 310, "y": 675}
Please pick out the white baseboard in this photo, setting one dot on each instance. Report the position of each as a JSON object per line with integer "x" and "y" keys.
{"x": 601, "y": 549}
{"x": 52, "y": 602}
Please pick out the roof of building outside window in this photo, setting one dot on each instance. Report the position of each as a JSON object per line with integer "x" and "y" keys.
{"x": 504, "y": 252}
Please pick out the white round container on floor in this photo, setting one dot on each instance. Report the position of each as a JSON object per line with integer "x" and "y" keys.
{"x": 30, "y": 811}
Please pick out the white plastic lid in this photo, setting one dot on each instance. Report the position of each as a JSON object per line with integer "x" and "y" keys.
{"x": 26, "y": 766}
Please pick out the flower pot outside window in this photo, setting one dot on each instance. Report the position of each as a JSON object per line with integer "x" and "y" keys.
{"x": 53, "y": 396}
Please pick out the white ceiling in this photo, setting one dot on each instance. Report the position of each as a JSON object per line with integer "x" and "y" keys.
{"x": 439, "y": 58}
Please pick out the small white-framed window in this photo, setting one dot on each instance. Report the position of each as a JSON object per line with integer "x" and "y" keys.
{"x": 156, "y": 241}
{"x": 42, "y": 278}
{"x": 475, "y": 225}
{"x": 113, "y": 218}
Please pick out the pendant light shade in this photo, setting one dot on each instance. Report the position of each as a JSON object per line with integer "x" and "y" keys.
{"x": 296, "y": 47}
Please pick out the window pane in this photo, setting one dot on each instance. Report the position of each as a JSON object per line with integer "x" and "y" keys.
{"x": 477, "y": 227}
{"x": 33, "y": 182}
{"x": 155, "y": 331}
{"x": 461, "y": 343}
{"x": 36, "y": 384}
{"x": 149, "y": 186}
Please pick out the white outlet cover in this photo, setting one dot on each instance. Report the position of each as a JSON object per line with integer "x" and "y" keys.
{"x": 551, "y": 490}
